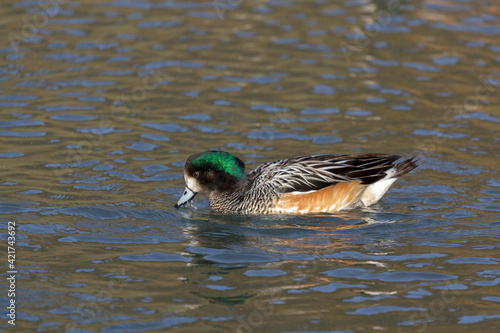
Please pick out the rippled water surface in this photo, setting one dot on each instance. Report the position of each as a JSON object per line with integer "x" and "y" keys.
{"x": 102, "y": 101}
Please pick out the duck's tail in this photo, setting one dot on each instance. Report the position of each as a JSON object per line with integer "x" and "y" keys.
{"x": 405, "y": 167}
{"x": 376, "y": 190}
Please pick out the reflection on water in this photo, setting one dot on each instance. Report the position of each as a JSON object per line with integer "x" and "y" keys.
{"x": 103, "y": 102}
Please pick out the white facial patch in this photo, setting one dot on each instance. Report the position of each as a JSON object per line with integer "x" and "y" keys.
{"x": 192, "y": 184}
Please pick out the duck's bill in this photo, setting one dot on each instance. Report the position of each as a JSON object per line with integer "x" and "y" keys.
{"x": 187, "y": 196}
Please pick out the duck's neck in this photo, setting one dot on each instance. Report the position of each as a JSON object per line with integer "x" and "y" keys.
{"x": 230, "y": 200}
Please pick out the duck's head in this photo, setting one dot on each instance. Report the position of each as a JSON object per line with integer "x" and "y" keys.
{"x": 210, "y": 171}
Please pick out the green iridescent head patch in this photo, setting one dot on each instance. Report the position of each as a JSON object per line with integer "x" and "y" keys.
{"x": 219, "y": 161}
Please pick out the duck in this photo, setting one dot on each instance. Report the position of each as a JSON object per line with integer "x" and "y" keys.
{"x": 298, "y": 185}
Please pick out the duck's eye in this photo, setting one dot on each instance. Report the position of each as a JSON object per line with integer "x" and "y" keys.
{"x": 196, "y": 174}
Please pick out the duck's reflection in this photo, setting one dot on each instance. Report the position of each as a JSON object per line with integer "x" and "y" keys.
{"x": 278, "y": 234}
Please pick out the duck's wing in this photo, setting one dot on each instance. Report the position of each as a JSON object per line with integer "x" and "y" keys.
{"x": 311, "y": 173}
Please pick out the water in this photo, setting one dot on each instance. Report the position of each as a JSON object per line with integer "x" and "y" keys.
{"x": 102, "y": 102}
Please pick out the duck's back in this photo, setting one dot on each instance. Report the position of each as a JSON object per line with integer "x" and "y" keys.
{"x": 320, "y": 183}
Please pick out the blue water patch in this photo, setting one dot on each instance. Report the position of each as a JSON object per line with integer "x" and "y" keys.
{"x": 391, "y": 28}
{"x": 72, "y": 117}
{"x": 228, "y": 89}
{"x": 474, "y": 260}
{"x": 143, "y": 326}
{"x": 94, "y": 45}
{"x": 71, "y": 57}
{"x": 92, "y": 212}
{"x": 333, "y": 12}
{"x": 325, "y": 139}
{"x": 269, "y": 108}
{"x": 119, "y": 59}
{"x": 313, "y": 47}
{"x": 230, "y": 257}
{"x": 359, "y": 113}
{"x": 361, "y": 299}
{"x": 101, "y": 130}
{"x": 218, "y": 287}
{"x": 334, "y": 286}
{"x": 154, "y": 168}
{"x": 491, "y": 299}
{"x": 46, "y": 229}
{"x": 166, "y": 127}
{"x": 424, "y": 132}
{"x": 20, "y": 123}
{"x": 332, "y": 77}
{"x": 375, "y": 100}
{"x": 106, "y": 240}
{"x": 22, "y": 134}
{"x": 478, "y": 116}
{"x": 323, "y": 89}
{"x": 453, "y": 286}
{"x": 401, "y": 108}
{"x": 199, "y": 116}
{"x": 204, "y": 15}
{"x": 12, "y": 105}
{"x": 201, "y": 47}
{"x": 289, "y": 40}
{"x": 375, "y": 310}
{"x": 385, "y": 62}
{"x": 207, "y": 129}
{"x": 367, "y": 274}
{"x": 362, "y": 256}
{"x": 267, "y": 272}
{"x": 482, "y": 30}
{"x": 69, "y": 21}
{"x": 244, "y": 34}
{"x": 192, "y": 93}
{"x": 445, "y": 61}
{"x": 467, "y": 319}
{"x": 224, "y": 103}
{"x": 159, "y": 24}
{"x": 155, "y": 137}
{"x": 419, "y": 293}
{"x": 60, "y": 108}
{"x": 121, "y": 72}
{"x": 84, "y": 83}
{"x": 17, "y": 98}
{"x": 452, "y": 7}
{"x": 154, "y": 256}
{"x": 362, "y": 70}
{"x": 421, "y": 67}
{"x": 172, "y": 63}
{"x": 273, "y": 135}
{"x": 92, "y": 99}
{"x": 31, "y": 192}
{"x": 142, "y": 146}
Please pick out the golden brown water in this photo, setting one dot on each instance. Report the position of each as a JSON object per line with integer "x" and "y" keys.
{"x": 102, "y": 101}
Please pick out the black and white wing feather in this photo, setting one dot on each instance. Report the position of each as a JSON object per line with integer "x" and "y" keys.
{"x": 308, "y": 173}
